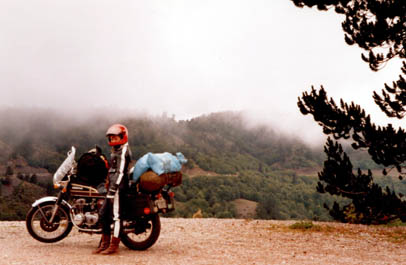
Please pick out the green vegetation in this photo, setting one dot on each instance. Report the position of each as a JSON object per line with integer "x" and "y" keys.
{"x": 305, "y": 225}
{"x": 219, "y": 142}
{"x": 251, "y": 163}
{"x": 279, "y": 196}
{"x": 16, "y": 205}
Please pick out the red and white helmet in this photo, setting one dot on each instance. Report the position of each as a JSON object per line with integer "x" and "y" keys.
{"x": 120, "y": 130}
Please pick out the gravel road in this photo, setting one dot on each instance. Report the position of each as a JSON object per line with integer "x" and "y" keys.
{"x": 219, "y": 241}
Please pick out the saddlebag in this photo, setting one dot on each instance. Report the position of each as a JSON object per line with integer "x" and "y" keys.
{"x": 136, "y": 203}
{"x": 151, "y": 181}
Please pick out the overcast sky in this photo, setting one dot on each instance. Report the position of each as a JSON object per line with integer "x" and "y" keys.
{"x": 182, "y": 57}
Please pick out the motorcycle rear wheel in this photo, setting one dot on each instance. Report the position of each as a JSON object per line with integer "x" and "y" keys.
{"x": 43, "y": 231}
{"x": 143, "y": 241}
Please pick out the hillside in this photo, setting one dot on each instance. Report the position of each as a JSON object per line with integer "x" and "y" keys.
{"x": 220, "y": 142}
{"x": 230, "y": 161}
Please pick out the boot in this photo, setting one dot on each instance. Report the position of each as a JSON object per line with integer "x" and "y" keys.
{"x": 104, "y": 244}
{"x": 113, "y": 248}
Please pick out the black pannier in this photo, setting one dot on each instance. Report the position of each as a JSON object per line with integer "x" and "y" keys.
{"x": 136, "y": 203}
{"x": 92, "y": 168}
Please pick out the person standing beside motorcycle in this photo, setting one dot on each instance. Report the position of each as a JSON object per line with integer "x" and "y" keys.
{"x": 117, "y": 182}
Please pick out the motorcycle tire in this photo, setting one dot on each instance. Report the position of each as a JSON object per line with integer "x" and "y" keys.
{"x": 43, "y": 231}
{"x": 144, "y": 244}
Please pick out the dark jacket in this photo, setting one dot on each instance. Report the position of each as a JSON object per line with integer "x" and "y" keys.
{"x": 118, "y": 173}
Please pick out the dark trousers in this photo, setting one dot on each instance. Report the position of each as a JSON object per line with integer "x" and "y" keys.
{"x": 110, "y": 212}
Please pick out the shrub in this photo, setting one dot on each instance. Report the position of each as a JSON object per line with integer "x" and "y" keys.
{"x": 305, "y": 225}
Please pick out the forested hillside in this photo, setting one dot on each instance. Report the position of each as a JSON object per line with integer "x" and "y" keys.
{"x": 233, "y": 160}
{"x": 221, "y": 142}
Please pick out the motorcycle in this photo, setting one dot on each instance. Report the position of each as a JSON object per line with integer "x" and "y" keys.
{"x": 51, "y": 218}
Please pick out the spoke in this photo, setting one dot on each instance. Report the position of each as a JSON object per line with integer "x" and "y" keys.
{"x": 42, "y": 213}
{"x": 46, "y": 229}
{"x": 142, "y": 236}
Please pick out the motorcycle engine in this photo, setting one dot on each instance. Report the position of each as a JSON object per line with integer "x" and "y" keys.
{"x": 91, "y": 218}
{"x": 85, "y": 213}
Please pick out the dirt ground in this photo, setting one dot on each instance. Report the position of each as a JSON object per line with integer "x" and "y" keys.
{"x": 219, "y": 241}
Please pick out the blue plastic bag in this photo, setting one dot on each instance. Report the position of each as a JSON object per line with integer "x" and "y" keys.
{"x": 140, "y": 167}
{"x": 159, "y": 163}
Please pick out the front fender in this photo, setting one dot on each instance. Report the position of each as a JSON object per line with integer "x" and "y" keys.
{"x": 49, "y": 199}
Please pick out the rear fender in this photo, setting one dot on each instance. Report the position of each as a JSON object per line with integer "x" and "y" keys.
{"x": 50, "y": 199}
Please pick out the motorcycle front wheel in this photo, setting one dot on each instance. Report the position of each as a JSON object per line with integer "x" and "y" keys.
{"x": 41, "y": 229}
{"x": 144, "y": 235}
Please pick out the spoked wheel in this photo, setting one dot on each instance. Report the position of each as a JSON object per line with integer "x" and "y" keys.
{"x": 41, "y": 229}
{"x": 144, "y": 235}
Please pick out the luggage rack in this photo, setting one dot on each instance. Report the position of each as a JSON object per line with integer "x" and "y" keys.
{"x": 82, "y": 190}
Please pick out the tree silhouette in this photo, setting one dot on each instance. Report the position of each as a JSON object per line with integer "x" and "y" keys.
{"x": 379, "y": 28}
